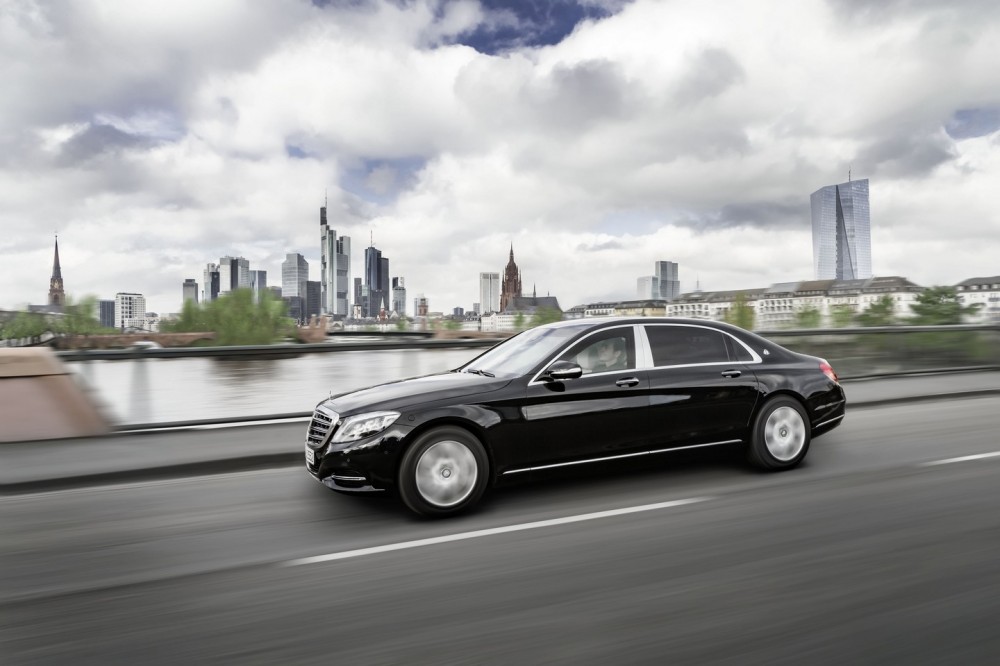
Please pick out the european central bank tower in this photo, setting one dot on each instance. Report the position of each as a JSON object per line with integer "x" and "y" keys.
{"x": 841, "y": 225}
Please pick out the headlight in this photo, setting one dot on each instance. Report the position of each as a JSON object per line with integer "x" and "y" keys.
{"x": 364, "y": 425}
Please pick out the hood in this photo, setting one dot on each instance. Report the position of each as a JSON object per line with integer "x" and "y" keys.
{"x": 460, "y": 386}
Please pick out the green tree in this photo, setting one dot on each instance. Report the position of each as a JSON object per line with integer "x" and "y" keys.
{"x": 879, "y": 313}
{"x": 519, "y": 321}
{"x": 545, "y": 315}
{"x": 940, "y": 306}
{"x": 25, "y": 325}
{"x": 807, "y": 318}
{"x": 402, "y": 323}
{"x": 841, "y": 315}
{"x": 80, "y": 318}
{"x": 741, "y": 314}
{"x": 236, "y": 319}
{"x": 452, "y": 324}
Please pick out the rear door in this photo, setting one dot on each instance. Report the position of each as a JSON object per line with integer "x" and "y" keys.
{"x": 699, "y": 393}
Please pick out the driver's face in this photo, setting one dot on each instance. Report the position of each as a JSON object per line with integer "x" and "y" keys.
{"x": 606, "y": 351}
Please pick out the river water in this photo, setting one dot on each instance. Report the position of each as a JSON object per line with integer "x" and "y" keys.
{"x": 164, "y": 390}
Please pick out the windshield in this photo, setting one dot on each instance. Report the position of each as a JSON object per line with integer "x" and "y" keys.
{"x": 521, "y": 353}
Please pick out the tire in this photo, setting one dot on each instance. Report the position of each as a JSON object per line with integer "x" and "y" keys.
{"x": 781, "y": 435}
{"x": 445, "y": 472}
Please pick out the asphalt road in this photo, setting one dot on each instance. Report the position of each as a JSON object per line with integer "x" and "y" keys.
{"x": 881, "y": 549}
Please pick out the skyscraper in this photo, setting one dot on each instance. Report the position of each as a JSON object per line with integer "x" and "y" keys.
{"x": 210, "y": 280}
{"x": 335, "y": 269}
{"x": 313, "y": 305}
{"x": 841, "y": 228}
{"x": 489, "y": 292}
{"x": 234, "y": 273}
{"x": 294, "y": 275}
{"x": 667, "y": 277}
{"x": 190, "y": 290}
{"x": 258, "y": 284}
{"x": 399, "y": 296}
{"x": 648, "y": 286}
{"x": 376, "y": 281}
{"x": 57, "y": 296}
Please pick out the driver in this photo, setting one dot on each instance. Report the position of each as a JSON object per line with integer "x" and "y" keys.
{"x": 610, "y": 355}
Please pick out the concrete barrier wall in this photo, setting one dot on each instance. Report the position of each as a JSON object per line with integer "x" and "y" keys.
{"x": 39, "y": 399}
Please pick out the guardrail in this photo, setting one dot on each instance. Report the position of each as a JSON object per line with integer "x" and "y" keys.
{"x": 853, "y": 351}
{"x": 213, "y": 383}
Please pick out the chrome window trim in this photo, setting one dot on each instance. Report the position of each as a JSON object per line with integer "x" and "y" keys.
{"x": 619, "y": 457}
{"x": 754, "y": 355}
{"x": 535, "y": 382}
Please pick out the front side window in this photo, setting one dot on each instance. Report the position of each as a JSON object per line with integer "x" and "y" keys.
{"x": 523, "y": 352}
{"x": 686, "y": 345}
{"x": 610, "y": 350}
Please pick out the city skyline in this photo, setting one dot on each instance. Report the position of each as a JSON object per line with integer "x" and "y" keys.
{"x": 594, "y": 136}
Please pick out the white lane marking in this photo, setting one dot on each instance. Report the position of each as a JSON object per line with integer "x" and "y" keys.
{"x": 947, "y": 461}
{"x": 360, "y": 552}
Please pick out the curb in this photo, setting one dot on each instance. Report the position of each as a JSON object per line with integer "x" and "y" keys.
{"x": 180, "y": 470}
{"x": 294, "y": 458}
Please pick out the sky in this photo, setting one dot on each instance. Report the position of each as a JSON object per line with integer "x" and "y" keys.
{"x": 593, "y": 136}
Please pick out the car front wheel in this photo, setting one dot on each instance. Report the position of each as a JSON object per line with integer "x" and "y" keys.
{"x": 444, "y": 472}
{"x": 780, "y": 437}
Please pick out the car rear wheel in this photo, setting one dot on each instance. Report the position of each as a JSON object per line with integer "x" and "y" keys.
{"x": 444, "y": 472}
{"x": 780, "y": 438}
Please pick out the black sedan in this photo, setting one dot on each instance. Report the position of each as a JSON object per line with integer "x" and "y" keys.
{"x": 572, "y": 393}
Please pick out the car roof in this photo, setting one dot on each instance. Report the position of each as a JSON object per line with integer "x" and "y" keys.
{"x": 595, "y": 322}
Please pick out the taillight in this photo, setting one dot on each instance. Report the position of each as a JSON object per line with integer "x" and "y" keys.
{"x": 827, "y": 370}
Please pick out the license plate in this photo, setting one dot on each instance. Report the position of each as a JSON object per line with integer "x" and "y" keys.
{"x": 310, "y": 456}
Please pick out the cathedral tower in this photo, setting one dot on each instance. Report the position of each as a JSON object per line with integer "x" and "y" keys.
{"x": 56, "y": 294}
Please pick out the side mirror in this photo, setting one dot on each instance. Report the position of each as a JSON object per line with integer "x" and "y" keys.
{"x": 561, "y": 370}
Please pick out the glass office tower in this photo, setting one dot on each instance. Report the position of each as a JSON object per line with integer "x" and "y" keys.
{"x": 841, "y": 226}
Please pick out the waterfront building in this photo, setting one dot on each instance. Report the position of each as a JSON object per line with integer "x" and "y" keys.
{"x": 511, "y": 287}
{"x": 779, "y": 305}
{"x": 841, "y": 231}
{"x": 210, "y": 280}
{"x": 335, "y": 269}
{"x": 130, "y": 311}
{"x": 190, "y": 291}
{"x": 57, "y": 295}
{"x": 984, "y": 292}
{"x": 668, "y": 279}
{"x": 399, "y": 296}
{"x": 476, "y": 308}
{"x": 106, "y": 312}
{"x": 489, "y": 292}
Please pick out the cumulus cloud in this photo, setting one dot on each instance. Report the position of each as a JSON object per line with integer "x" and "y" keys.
{"x": 595, "y": 136}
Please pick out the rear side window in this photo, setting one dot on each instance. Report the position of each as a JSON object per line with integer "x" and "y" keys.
{"x": 683, "y": 345}
{"x": 738, "y": 351}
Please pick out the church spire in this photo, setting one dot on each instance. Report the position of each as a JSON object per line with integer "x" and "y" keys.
{"x": 56, "y": 294}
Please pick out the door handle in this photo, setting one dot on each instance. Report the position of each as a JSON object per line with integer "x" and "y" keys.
{"x": 731, "y": 374}
{"x": 628, "y": 382}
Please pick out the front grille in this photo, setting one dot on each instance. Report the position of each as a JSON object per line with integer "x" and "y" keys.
{"x": 319, "y": 426}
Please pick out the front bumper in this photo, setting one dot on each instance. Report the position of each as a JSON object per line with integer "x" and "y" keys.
{"x": 362, "y": 466}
